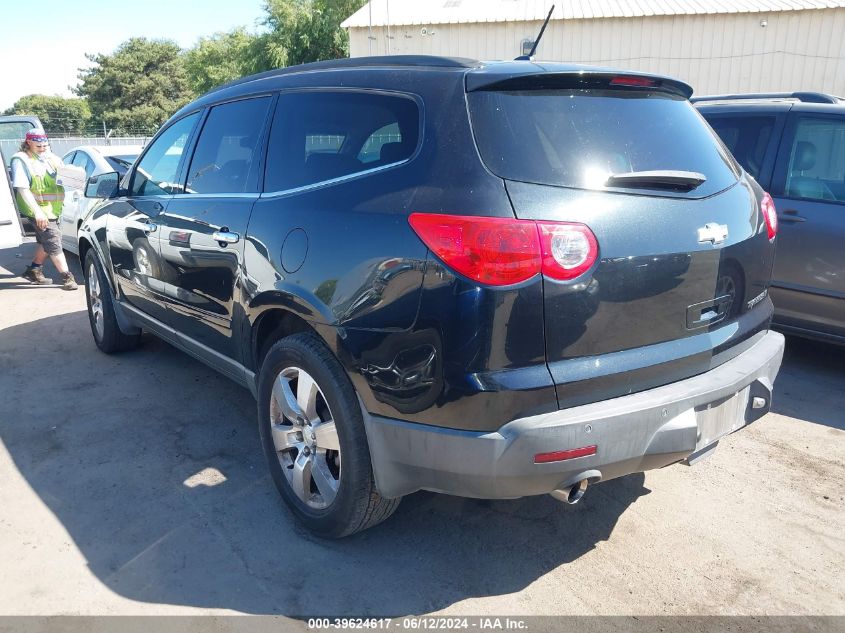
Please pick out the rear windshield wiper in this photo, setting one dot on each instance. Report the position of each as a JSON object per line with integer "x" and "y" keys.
{"x": 659, "y": 179}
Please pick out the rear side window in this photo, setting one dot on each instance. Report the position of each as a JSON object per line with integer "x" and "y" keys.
{"x": 579, "y": 137}
{"x": 747, "y": 137}
{"x": 320, "y": 136}
{"x": 226, "y": 158}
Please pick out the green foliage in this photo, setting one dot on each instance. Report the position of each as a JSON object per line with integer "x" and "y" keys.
{"x": 135, "y": 89}
{"x": 220, "y": 58}
{"x": 302, "y": 31}
{"x": 60, "y": 116}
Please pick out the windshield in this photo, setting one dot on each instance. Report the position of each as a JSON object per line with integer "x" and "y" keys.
{"x": 580, "y": 137}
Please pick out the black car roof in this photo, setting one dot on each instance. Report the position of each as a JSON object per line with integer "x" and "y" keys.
{"x": 479, "y": 74}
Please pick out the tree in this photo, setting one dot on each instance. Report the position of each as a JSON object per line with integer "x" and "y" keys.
{"x": 137, "y": 88}
{"x": 302, "y": 31}
{"x": 220, "y": 58}
{"x": 60, "y": 116}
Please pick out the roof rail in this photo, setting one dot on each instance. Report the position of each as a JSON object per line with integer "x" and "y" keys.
{"x": 804, "y": 97}
{"x": 358, "y": 62}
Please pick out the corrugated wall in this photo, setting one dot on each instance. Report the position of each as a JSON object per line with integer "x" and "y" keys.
{"x": 796, "y": 50}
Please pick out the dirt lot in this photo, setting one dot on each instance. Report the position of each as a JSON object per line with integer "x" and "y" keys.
{"x": 134, "y": 484}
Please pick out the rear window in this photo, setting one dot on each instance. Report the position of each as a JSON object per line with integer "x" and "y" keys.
{"x": 579, "y": 137}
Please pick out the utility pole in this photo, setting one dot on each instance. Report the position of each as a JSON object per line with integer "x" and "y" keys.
{"x": 387, "y": 5}
{"x": 370, "y": 32}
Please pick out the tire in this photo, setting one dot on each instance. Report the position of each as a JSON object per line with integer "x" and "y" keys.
{"x": 104, "y": 327}
{"x": 322, "y": 470}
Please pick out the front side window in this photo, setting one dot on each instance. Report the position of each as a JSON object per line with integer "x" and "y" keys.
{"x": 320, "y": 136}
{"x": 816, "y": 168}
{"x": 158, "y": 169}
{"x": 747, "y": 137}
{"x": 227, "y": 155}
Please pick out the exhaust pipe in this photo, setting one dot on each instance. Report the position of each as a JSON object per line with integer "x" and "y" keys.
{"x": 573, "y": 493}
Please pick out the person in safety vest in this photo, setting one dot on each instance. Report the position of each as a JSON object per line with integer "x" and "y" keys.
{"x": 40, "y": 198}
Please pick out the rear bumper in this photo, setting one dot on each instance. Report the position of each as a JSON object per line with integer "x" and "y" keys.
{"x": 633, "y": 433}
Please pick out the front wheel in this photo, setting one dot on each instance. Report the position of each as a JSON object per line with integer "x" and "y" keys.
{"x": 312, "y": 432}
{"x": 104, "y": 327}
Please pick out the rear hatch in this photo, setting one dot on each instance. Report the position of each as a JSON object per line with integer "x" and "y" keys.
{"x": 684, "y": 254}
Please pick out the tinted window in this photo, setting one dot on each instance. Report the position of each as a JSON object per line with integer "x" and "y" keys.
{"x": 817, "y": 160}
{"x": 747, "y": 137}
{"x": 579, "y": 137}
{"x": 226, "y": 158}
{"x": 319, "y": 136}
{"x": 157, "y": 171}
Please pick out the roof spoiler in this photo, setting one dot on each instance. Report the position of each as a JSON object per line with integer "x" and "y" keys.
{"x": 535, "y": 77}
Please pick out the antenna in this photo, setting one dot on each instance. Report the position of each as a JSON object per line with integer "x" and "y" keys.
{"x": 530, "y": 56}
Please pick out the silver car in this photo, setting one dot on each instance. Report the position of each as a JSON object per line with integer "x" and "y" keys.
{"x": 95, "y": 160}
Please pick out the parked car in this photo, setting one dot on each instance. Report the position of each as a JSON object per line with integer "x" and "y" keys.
{"x": 793, "y": 144}
{"x": 483, "y": 279}
{"x": 95, "y": 160}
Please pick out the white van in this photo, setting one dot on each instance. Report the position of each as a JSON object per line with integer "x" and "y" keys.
{"x": 12, "y": 131}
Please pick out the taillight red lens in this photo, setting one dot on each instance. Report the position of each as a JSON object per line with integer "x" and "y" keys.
{"x": 505, "y": 251}
{"x": 496, "y": 251}
{"x": 568, "y": 249}
{"x": 770, "y": 215}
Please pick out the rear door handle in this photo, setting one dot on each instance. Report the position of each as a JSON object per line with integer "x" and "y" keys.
{"x": 791, "y": 215}
{"x": 225, "y": 237}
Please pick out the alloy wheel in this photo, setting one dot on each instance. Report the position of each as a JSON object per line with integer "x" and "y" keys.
{"x": 95, "y": 300}
{"x": 305, "y": 438}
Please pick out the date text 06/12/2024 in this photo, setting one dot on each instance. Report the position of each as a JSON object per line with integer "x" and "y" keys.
{"x": 420, "y": 623}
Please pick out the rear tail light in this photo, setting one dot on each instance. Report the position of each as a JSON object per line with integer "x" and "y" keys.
{"x": 767, "y": 207}
{"x": 505, "y": 251}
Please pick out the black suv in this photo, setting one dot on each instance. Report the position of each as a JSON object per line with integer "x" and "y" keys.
{"x": 793, "y": 144}
{"x": 483, "y": 279}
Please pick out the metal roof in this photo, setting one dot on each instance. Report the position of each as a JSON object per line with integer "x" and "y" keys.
{"x": 408, "y": 12}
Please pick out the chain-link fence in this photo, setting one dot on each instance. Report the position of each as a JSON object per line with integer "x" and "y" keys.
{"x": 61, "y": 146}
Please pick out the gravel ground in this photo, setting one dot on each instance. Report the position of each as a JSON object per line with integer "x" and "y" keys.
{"x": 134, "y": 484}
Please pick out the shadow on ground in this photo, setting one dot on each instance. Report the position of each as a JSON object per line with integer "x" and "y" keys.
{"x": 811, "y": 383}
{"x": 151, "y": 462}
{"x": 17, "y": 259}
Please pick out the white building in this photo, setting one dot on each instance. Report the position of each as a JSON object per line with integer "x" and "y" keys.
{"x": 718, "y": 46}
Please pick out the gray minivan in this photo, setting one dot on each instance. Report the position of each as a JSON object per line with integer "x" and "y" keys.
{"x": 793, "y": 144}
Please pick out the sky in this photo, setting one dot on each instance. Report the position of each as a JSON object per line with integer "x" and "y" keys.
{"x": 43, "y": 42}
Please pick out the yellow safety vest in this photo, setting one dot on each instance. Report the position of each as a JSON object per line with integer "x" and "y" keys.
{"x": 47, "y": 193}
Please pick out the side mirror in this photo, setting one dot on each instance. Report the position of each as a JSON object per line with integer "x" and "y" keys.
{"x": 103, "y": 186}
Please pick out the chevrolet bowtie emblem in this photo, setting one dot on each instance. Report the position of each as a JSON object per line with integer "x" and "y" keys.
{"x": 713, "y": 233}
